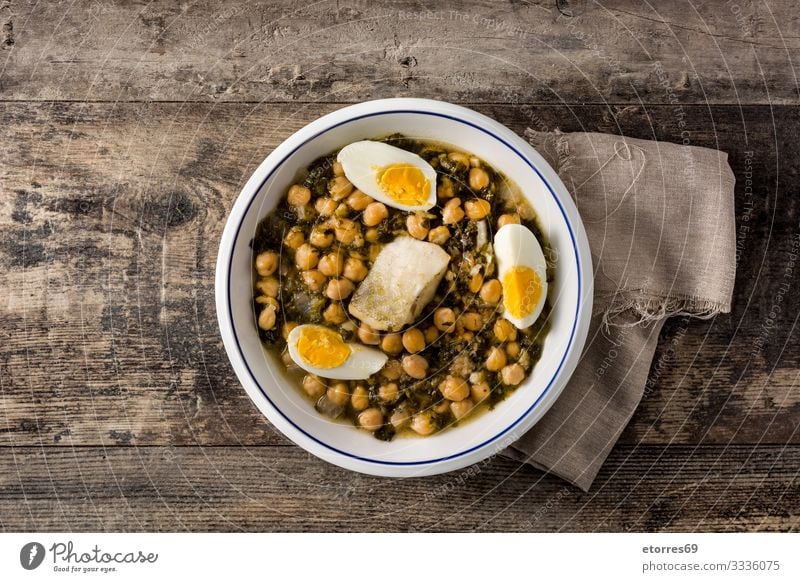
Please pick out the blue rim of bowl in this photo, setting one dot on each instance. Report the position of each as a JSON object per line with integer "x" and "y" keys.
{"x": 572, "y": 332}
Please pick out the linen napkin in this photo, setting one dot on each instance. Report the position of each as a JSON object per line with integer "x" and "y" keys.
{"x": 660, "y": 223}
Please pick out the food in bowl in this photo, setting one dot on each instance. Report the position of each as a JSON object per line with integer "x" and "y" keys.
{"x": 404, "y": 284}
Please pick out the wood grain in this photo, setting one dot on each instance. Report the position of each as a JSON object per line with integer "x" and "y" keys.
{"x": 273, "y": 489}
{"x": 478, "y": 51}
{"x": 110, "y": 218}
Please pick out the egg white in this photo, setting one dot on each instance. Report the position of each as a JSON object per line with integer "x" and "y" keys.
{"x": 516, "y": 246}
{"x": 360, "y": 365}
{"x": 362, "y": 162}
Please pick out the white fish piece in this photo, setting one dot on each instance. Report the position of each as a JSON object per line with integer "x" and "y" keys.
{"x": 400, "y": 284}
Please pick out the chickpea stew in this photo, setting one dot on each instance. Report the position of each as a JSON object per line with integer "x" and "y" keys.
{"x": 404, "y": 283}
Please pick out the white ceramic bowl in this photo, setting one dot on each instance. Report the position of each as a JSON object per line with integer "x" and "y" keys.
{"x": 264, "y": 376}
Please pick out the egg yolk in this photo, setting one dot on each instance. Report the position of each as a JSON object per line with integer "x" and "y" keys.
{"x": 522, "y": 290}
{"x": 404, "y": 184}
{"x": 322, "y": 347}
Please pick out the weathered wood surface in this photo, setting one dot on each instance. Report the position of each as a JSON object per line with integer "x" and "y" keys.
{"x": 127, "y": 130}
{"x": 111, "y": 217}
{"x": 477, "y": 51}
{"x": 276, "y": 488}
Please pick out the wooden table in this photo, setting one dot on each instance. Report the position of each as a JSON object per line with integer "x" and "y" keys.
{"x": 129, "y": 128}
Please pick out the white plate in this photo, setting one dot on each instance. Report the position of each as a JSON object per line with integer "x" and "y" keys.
{"x": 263, "y": 375}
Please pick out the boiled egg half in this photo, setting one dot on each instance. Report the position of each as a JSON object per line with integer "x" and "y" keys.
{"x": 322, "y": 351}
{"x": 523, "y": 274}
{"x": 396, "y": 177}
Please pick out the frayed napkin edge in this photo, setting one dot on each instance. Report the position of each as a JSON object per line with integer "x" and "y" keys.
{"x": 649, "y": 308}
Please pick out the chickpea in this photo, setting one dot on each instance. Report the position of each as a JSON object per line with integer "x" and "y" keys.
{"x": 389, "y": 392}
{"x": 399, "y": 418}
{"x": 355, "y": 269}
{"x": 267, "y": 318}
{"x": 320, "y": 237}
{"x": 507, "y": 219}
{"x": 454, "y": 388}
{"x": 294, "y": 238}
{"x": 287, "y": 360}
{"x": 415, "y": 366}
{"x": 264, "y": 299}
{"x": 439, "y": 235}
{"x": 477, "y": 209}
{"x": 512, "y": 375}
{"x": 269, "y": 286}
{"x": 452, "y": 211}
{"x": 474, "y": 162}
{"x": 392, "y": 370}
{"x": 466, "y": 336}
{"x": 358, "y": 201}
{"x": 372, "y": 235}
{"x": 445, "y": 189}
{"x": 471, "y": 321}
{"x": 338, "y": 393}
{"x": 368, "y": 335}
{"x": 504, "y": 331}
{"x": 313, "y": 279}
{"x": 478, "y": 179}
{"x": 496, "y": 359}
{"x": 374, "y": 213}
{"x": 314, "y": 386}
{"x": 346, "y": 231}
{"x": 298, "y": 195}
{"x": 338, "y": 169}
{"x": 491, "y": 291}
{"x": 287, "y": 328}
{"x": 342, "y": 210}
{"x": 462, "y": 408}
{"x": 325, "y": 206}
{"x": 413, "y": 340}
{"x": 359, "y": 399}
{"x": 423, "y": 423}
{"x": 374, "y": 251}
{"x": 270, "y": 302}
{"x": 392, "y": 344}
{"x": 358, "y": 240}
{"x": 304, "y": 213}
{"x": 339, "y": 289}
{"x": 431, "y": 334}
{"x": 332, "y": 264}
{"x": 417, "y": 226}
{"x": 475, "y": 283}
{"x": 266, "y": 263}
{"x": 444, "y": 319}
{"x": 340, "y": 188}
{"x": 512, "y": 349}
{"x": 442, "y": 406}
{"x": 459, "y": 158}
{"x": 480, "y": 391}
{"x": 306, "y": 257}
{"x": 334, "y": 313}
{"x": 371, "y": 419}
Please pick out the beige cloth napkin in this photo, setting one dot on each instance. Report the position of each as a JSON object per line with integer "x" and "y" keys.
{"x": 660, "y": 222}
